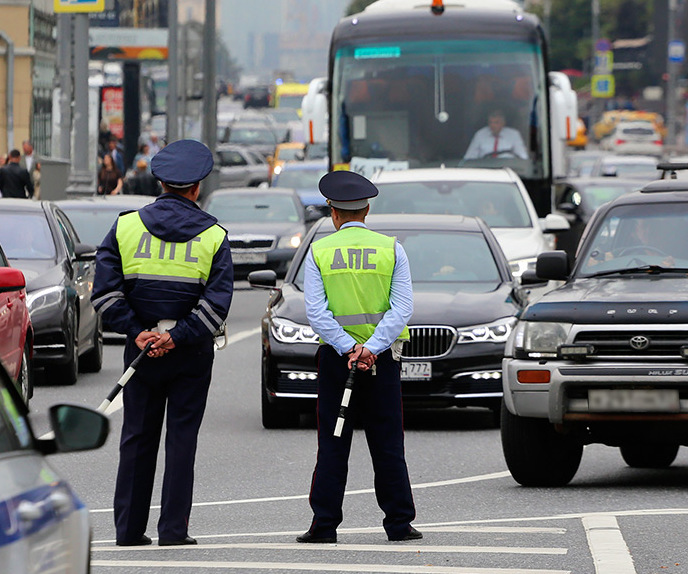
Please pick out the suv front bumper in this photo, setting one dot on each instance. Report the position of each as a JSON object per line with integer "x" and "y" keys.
{"x": 566, "y": 397}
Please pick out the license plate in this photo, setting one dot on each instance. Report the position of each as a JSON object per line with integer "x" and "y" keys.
{"x": 416, "y": 371}
{"x": 242, "y": 257}
{"x": 633, "y": 400}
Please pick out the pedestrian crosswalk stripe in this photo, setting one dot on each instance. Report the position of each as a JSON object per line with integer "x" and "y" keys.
{"x": 320, "y": 567}
{"x": 394, "y": 548}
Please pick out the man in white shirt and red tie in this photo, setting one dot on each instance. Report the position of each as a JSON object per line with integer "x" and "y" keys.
{"x": 496, "y": 140}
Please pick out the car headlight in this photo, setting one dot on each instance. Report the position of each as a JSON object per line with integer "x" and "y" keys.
{"x": 286, "y": 331}
{"x": 45, "y": 299}
{"x": 497, "y": 332}
{"x": 518, "y": 266}
{"x": 289, "y": 241}
{"x": 535, "y": 340}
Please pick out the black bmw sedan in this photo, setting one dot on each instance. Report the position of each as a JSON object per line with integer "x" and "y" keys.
{"x": 39, "y": 239}
{"x": 465, "y": 306}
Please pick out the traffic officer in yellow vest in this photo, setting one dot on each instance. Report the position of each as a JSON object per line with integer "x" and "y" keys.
{"x": 164, "y": 273}
{"x": 358, "y": 299}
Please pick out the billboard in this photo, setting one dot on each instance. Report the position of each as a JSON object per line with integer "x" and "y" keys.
{"x": 127, "y": 43}
{"x": 112, "y": 109}
{"x": 71, "y": 6}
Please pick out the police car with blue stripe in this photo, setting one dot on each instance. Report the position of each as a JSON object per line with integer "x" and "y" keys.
{"x": 44, "y": 525}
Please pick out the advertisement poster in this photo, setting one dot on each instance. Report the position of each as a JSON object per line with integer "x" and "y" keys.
{"x": 112, "y": 109}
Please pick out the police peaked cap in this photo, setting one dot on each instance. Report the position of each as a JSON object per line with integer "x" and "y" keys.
{"x": 346, "y": 189}
{"x": 182, "y": 163}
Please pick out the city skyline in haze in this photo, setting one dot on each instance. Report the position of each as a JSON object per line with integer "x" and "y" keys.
{"x": 269, "y": 36}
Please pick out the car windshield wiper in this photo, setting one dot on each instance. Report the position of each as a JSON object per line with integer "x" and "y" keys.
{"x": 649, "y": 269}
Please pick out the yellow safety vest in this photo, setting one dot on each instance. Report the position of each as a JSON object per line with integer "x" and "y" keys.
{"x": 145, "y": 256}
{"x": 356, "y": 265}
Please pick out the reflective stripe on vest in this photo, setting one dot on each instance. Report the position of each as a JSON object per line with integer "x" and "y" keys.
{"x": 145, "y": 256}
{"x": 356, "y": 265}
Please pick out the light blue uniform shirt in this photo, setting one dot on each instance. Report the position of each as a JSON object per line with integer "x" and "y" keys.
{"x": 390, "y": 326}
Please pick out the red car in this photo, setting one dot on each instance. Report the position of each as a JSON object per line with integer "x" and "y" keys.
{"x": 16, "y": 333}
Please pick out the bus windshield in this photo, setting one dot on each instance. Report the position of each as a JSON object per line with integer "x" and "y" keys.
{"x": 408, "y": 104}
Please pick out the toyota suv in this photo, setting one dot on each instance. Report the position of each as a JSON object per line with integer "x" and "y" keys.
{"x": 604, "y": 358}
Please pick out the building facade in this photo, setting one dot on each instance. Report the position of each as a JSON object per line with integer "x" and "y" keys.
{"x": 29, "y": 26}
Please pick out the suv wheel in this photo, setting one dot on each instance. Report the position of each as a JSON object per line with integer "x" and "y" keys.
{"x": 536, "y": 454}
{"x": 649, "y": 455}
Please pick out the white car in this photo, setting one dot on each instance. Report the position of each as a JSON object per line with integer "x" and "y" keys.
{"x": 496, "y": 195}
{"x": 639, "y": 137}
{"x": 45, "y": 525}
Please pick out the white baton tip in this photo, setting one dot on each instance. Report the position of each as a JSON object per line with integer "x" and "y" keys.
{"x": 338, "y": 427}
{"x": 103, "y": 406}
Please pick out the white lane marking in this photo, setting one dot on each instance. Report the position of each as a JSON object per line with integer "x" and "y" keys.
{"x": 322, "y": 567}
{"x": 399, "y": 549}
{"x": 465, "y": 480}
{"x": 579, "y": 515}
{"x": 496, "y": 529}
{"x": 241, "y": 335}
{"x": 607, "y": 545}
{"x": 117, "y": 404}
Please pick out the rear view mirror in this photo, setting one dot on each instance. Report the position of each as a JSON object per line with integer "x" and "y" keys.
{"x": 78, "y": 428}
{"x": 11, "y": 279}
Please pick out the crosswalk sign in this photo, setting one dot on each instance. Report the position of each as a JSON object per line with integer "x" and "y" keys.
{"x": 71, "y": 6}
{"x": 602, "y": 86}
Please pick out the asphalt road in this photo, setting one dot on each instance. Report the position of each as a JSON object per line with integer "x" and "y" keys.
{"x": 251, "y": 495}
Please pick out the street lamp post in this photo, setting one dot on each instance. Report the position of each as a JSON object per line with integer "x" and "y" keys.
{"x": 209, "y": 91}
{"x": 675, "y": 51}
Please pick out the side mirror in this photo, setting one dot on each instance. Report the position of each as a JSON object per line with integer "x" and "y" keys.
{"x": 553, "y": 265}
{"x": 313, "y": 213}
{"x": 85, "y": 252}
{"x": 554, "y": 223}
{"x": 78, "y": 428}
{"x": 11, "y": 279}
{"x": 567, "y": 207}
{"x": 263, "y": 279}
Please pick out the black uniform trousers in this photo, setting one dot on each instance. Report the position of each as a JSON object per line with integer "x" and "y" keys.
{"x": 177, "y": 382}
{"x": 376, "y": 404}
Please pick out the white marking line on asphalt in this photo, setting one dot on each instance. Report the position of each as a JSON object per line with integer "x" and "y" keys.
{"x": 117, "y": 404}
{"x": 465, "y": 480}
{"x": 607, "y": 545}
{"x": 322, "y": 567}
{"x": 398, "y": 549}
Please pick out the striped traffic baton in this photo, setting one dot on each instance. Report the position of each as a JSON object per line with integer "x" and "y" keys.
{"x": 348, "y": 388}
{"x": 124, "y": 378}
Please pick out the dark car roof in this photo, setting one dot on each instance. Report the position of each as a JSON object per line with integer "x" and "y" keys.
{"x": 658, "y": 191}
{"x": 226, "y": 192}
{"x": 253, "y": 191}
{"x": 390, "y": 222}
{"x": 585, "y": 180}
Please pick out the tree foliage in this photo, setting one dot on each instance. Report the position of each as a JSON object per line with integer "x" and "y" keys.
{"x": 570, "y": 27}
{"x": 356, "y": 6}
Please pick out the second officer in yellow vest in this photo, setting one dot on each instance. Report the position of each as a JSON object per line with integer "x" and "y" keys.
{"x": 358, "y": 299}
{"x": 164, "y": 273}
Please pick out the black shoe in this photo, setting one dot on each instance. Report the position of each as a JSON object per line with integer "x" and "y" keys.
{"x": 143, "y": 541}
{"x": 310, "y": 537}
{"x": 183, "y": 542}
{"x": 413, "y": 534}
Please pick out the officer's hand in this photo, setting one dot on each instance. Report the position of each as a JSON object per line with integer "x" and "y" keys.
{"x": 142, "y": 340}
{"x": 164, "y": 343}
{"x": 363, "y": 357}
